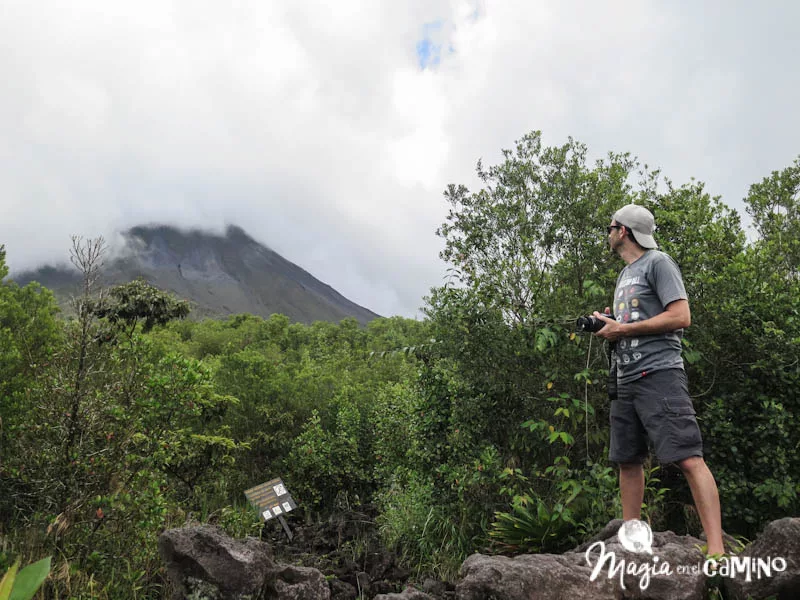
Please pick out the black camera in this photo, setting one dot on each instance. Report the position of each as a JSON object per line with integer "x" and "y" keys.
{"x": 591, "y": 323}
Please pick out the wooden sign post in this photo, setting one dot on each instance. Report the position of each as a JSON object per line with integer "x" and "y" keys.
{"x": 272, "y": 500}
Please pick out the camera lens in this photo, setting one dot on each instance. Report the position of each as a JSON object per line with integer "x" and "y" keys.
{"x": 591, "y": 324}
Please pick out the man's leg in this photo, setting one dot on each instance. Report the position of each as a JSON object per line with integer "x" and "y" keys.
{"x": 631, "y": 490}
{"x": 706, "y": 500}
{"x": 628, "y": 446}
{"x": 671, "y": 424}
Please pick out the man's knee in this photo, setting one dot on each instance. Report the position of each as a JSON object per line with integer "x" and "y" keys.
{"x": 630, "y": 468}
{"x": 692, "y": 464}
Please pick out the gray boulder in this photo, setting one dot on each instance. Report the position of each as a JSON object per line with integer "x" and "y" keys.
{"x": 570, "y": 575}
{"x": 528, "y": 577}
{"x": 204, "y": 562}
{"x": 434, "y": 587}
{"x": 779, "y": 540}
{"x": 410, "y": 593}
{"x": 603, "y": 535}
{"x": 682, "y": 580}
{"x": 287, "y": 582}
{"x": 341, "y": 590}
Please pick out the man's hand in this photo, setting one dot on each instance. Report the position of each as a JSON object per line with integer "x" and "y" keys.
{"x": 612, "y": 331}
{"x": 676, "y": 316}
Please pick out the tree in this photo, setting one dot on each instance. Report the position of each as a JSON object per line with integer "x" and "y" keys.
{"x": 774, "y": 204}
{"x": 108, "y": 437}
{"x": 753, "y": 347}
{"x": 539, "y": 208}
{"x": 137, "y": 302}
{"x": 29, "y": 336}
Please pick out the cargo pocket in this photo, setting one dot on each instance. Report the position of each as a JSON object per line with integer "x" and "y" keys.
{"x": 680, "y": 435}
{"x": 681, "y": 405}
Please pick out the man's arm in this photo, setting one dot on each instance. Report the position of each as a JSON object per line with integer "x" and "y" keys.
{"x": 676, "y": 316}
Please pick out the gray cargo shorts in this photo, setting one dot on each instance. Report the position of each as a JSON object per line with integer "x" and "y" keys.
{"x": 657, "y": 406}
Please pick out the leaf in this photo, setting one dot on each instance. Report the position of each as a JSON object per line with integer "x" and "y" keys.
{"x": 30, "y": 579}
{"x": 8, "y": 581}
{"x": 545, "y": 337}
{"x": 692, "y": 356}
{"x": 541, "y": 512}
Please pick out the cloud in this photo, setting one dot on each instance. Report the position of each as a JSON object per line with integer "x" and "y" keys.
{"x": 329, "y": 131}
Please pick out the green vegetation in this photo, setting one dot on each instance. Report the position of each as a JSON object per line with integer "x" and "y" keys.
{"x": 483, "y": 427}
{"x": 22, "y": 585}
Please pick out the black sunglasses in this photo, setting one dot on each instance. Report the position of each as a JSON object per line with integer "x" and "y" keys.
{"x": 610, "y": 227}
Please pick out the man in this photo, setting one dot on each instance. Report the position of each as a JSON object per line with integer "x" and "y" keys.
{"x": 650, "y": 312}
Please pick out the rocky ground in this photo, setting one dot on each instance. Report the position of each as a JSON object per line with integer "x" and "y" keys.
{"x": 348, "y": 551}
{"x": 342, "y": 559}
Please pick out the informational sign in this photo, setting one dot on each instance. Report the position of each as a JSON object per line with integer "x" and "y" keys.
{"x": 272, "y": 499}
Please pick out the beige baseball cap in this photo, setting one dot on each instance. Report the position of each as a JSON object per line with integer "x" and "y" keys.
{"x": 639, "y": 220}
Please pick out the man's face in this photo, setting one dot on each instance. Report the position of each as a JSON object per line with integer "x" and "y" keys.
{"x": 615, "y": 236}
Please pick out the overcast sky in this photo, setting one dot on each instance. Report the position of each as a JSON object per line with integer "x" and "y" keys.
{"x": 329, "y": 130}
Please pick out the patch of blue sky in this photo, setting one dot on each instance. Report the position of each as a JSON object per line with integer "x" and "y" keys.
{"x": 428, "y": 54}
{"x": 429, "y": 50}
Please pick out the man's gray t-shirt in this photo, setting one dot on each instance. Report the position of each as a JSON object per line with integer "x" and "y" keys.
{"x": 644, "y": 289}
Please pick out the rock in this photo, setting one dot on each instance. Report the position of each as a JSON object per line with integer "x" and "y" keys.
{"x": 383, "y": 587}
{"x": 205, "y": 564}
{"x": 341, "y": 590}
{"x": 684, "y": 580}
{"x": 568, "y": 576}
{"x": 204, "y": 561}
{"x": 540, "y": 576}
{"x": 605, "y": 533}
{"x": 730, "y": 543}
{"x": 410, "y": 593}
{"x": 434, "y": 587}
{"x": 383, "y": 565}
{"x": 779, "y": 540}
{"x": 287, "y": 582}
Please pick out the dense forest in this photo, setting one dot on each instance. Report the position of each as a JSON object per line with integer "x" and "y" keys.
{"x": 483, "y": 426}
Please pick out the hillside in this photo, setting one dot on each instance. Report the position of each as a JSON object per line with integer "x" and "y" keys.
{"x": 220, "y": 275}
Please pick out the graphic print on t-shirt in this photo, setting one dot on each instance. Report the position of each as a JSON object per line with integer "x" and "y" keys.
{"x": 644, "y": 289}
{"x": 627, "y": 296}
